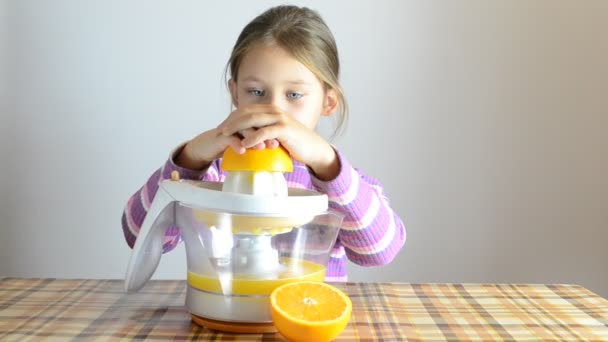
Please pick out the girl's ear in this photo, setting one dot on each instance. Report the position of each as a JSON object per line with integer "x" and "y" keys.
{"x": 330, "y": 104}
{"x": 233, "y": 92}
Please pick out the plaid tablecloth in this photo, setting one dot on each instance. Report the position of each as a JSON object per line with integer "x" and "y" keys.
{"x": 60, "y": 309}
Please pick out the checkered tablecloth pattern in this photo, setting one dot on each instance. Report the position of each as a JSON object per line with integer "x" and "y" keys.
{"x": 62, "y": 309}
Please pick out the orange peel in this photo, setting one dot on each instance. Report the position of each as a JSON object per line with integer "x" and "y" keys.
{"x": 266, "y": 159}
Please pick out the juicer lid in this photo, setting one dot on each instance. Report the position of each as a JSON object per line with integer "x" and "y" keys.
{"x": 206, "y": 196}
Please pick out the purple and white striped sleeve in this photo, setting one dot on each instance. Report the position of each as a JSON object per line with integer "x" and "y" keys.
{"x": 137, "y": 207}
{"x": 372, "y": 233}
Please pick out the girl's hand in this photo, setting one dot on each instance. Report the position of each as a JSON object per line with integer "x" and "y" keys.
{"x": 199, "y": 152}
{"x": 267, "y": 126}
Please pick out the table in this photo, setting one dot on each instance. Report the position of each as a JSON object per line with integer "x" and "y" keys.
{"x": 87, "y": 309}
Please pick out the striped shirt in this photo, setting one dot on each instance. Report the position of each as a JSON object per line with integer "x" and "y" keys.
{"x": 371, "y": 234}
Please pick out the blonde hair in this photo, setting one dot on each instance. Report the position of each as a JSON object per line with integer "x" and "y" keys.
{"x": 303, "y": 34}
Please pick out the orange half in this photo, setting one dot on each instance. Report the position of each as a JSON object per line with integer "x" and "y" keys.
{"x": 310, "y": 311}
{"x": 266, "y": 159}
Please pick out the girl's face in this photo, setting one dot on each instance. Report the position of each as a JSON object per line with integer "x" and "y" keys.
{"x": 270, "y": 75}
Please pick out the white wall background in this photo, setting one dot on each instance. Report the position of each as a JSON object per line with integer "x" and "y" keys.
{"x": 4, "y": 138}
{"x": 486, "y": 121}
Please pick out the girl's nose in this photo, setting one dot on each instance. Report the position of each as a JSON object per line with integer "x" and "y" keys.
{"x": 273, "y": 99}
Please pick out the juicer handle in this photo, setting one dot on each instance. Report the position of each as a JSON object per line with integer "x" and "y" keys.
{"x": 148, "y": 247}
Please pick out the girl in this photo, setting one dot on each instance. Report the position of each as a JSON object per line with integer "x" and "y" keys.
{"x": 284, "y": 76}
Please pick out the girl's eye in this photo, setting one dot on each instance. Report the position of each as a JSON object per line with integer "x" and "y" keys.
{"x": 294, "y": 95}
{"x": 256, "y": 92}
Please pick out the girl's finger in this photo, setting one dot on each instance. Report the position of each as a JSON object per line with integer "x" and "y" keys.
{"x": 261, "y": 135}
{"x": 236, "y": 144}
{"x": 272, "y": 143}
{"x": 247, "y": 121}
{"x": 248, "y": 132}
{"x": 259, "y": 146}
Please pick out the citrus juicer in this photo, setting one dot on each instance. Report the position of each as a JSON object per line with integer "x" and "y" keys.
{"x": 244, "y": 237}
